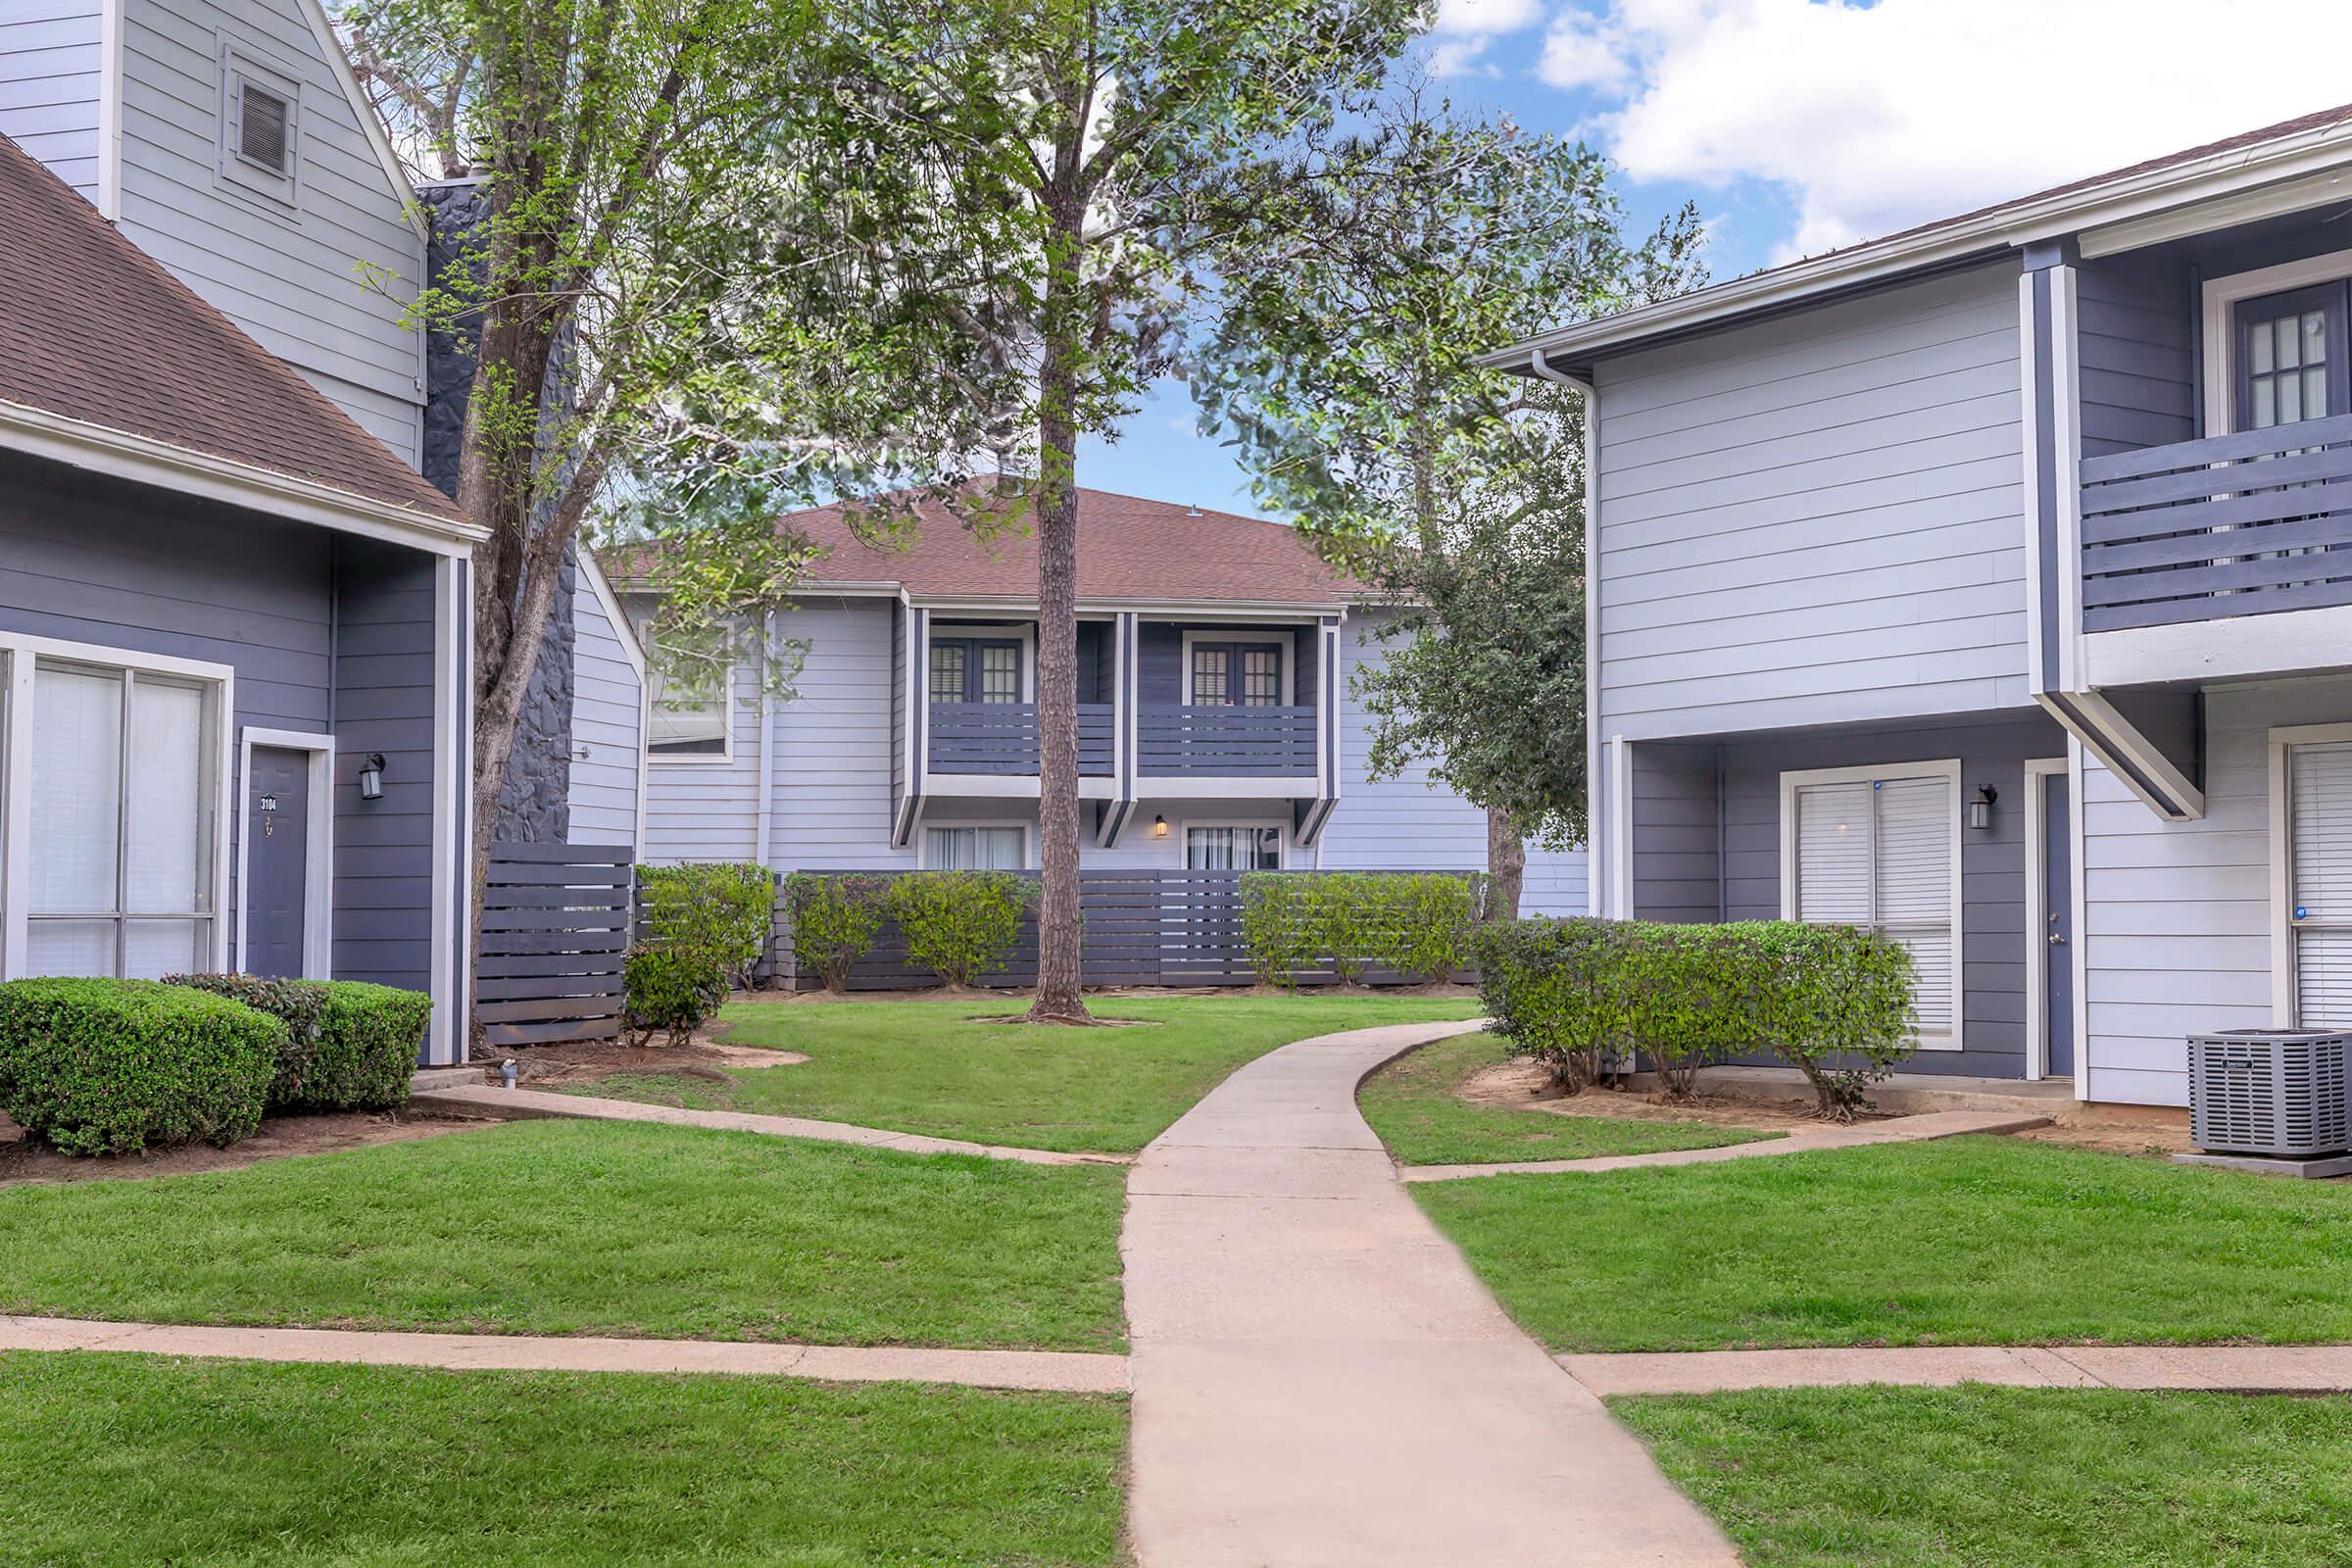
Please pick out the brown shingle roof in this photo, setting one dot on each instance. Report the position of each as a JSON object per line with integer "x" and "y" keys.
{"x": 1128, "y": 549}
{"x": 94, "y": 329}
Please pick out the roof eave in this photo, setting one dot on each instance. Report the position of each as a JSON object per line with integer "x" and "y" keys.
{"x": 184, "y": 471}
{"x": 1986, "y": 235}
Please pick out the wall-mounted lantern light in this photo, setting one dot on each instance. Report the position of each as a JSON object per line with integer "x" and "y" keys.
{"x": 1980, "y": 810}
{"x": 371, "y": 778}
{"x": 1160, "y": 827}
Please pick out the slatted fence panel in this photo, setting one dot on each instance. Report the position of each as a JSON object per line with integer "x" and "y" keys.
{"x": 554, "y": 932}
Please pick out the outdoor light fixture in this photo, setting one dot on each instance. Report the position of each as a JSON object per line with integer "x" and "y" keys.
{"x": 1160, "y": 827}
{"x": 371, "y": 778}
{"x": 1980, "y": 810}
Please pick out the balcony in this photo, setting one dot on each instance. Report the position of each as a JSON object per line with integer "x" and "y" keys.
{"x": 1000, "y": 739}
{"x": 2232, "y": 525}
{"x": 1226, "y": 742}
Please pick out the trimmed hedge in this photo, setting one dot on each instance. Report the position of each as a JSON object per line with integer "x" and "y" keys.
{"x": 724, "y": 910}
{"x": 960, "y": 924}
{"x": 1582, "y": 995}
{"x": 835, "y": 920}
{"x": 1412, "y": 923}
{"x": 673, "y": 988}
{"x": 112, "y": 1066}
{"x": 350, "y": 1045}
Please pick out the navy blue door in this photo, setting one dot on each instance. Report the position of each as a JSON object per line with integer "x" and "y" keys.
{"x": 276, "y": 890}
{"x": 2057, "y": 934}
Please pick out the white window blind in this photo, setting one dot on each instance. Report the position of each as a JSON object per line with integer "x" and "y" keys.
{"x": 1877, "y": 853}
{"x": 1233, "y": 849}
{"x": 972, "y": 849}
{"x": 2319, "y": 871}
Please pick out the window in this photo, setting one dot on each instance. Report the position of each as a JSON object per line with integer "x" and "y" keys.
{"x": 1236, "y": 675}
{"x": 2290, "y": 357}
{"x": 975, "y": 669}
{"x": 687, "y": 702}
{"x": 1880, "y": 848}
{"x": 2319, "y": 890}
{"x": 1240, "y": 848}
{"x": 261, "y": 126}
{"x": 119, "y": 827}
{"x": 975, "y": 849}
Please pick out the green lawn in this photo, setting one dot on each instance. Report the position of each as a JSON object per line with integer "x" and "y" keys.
{"x": 131, "y": 1460}
{"x": 1971, "y": 1240}
{"x": 928, "y": 1068}
{"x": 1412, "y": 1105}
{"x": 558, "y": 1227}
{"x": 1980, "y": 1477}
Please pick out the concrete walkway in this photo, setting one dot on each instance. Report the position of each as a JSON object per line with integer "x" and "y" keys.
{"x": 2233, "y": 1368}
{"x": 1319, "y": 1379}
{"x": 523, "y": 1104}
{"x": 1060, "y": 1372}
{"x": 1895, "y": 1130}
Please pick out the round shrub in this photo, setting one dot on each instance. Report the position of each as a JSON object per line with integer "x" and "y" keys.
{"x": 834, "y": 920}
{"x": 350, "y": 1045}
{"x": 671, "y": 986}
{"x": 961, "y": 924}
{"x": 112, "y": 1066}
{"x": 724, "y": 908}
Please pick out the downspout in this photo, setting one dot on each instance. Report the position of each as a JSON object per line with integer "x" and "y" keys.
{"x": 1544, "y": 370}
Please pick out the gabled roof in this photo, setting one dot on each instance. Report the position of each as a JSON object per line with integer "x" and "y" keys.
{"x": 1129, "y": 550}
{"x": 105, "y": 348}
{"x": 2292, "y": 150}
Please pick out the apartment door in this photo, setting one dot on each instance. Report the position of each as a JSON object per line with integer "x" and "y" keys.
{"x": 277, "y": 860}
{"x": 2058, "y": 915}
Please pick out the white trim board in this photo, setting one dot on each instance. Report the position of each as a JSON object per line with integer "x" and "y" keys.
{"x": 318, "y": 846}
{"x": 1946, "y": 768}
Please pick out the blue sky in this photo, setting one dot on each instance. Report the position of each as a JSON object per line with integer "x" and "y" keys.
{"x": 1799, "y": 125}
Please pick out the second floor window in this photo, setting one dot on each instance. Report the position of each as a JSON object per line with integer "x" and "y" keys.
{"x": 1237, "y": 675}
{"x": 2291, "y": 358}
{"x": 686, "y": 698}
{"x": 974, "y": 670}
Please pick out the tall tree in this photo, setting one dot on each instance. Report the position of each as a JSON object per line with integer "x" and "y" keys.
{"x": 625, "y": 148}
{"x": 1372, "y": 266}
{"x": 1067, "y": 156}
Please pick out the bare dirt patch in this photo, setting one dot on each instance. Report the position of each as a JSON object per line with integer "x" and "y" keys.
{"x": 1526, "y": 1086}
{"x": 705, "y": 1057}
{"x": 2150, "y": 1138}
{"x": 280, "y": 1138}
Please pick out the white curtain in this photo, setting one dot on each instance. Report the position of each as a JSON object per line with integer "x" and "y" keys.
{"x": 973, "y": 848}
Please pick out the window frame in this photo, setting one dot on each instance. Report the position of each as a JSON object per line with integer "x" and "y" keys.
{"x": 1282, "y": 643}
{"x": 2284, "y": 739}
{"x": 1945, "y": 768}
{"x": 1025, "y": 829}
{"x": 1280, "y": 830}
{"x": 1023, "y": 637}
{"x": 2222, "y": 297}
{"x": 240, "y": 63}
{"x": 641, "y": 628}
{"x": 20, "y": 655}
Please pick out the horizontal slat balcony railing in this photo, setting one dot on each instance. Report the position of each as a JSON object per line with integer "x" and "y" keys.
{"x": 1000, "y": 737}
{"x": 2244, "y": 525}
{"x": 1227, "y": 742}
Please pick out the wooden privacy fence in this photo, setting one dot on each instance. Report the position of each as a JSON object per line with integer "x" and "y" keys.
{"x": 1142, "y": 928}
{"x": 555, "y": 930}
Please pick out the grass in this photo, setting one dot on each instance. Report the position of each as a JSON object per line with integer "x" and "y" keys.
{"x": 558, "y": 1227}
{"x": 930, "y": 1067}
{"x": 1971, "y": 1240}
{"x": 2023, "y": 1478}
{"x": 1413, "y": 1106}
{"x": 122, "y": 1459}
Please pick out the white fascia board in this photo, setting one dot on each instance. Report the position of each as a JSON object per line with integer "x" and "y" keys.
{"x": 184, "y": 471}
{"x": 2107, "y": 204}
{"x": 630, "y": 648}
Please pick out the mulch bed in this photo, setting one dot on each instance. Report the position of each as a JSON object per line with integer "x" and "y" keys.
{"x": 280, "y": 1138}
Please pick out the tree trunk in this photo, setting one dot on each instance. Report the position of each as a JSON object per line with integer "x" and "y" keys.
{"x": 1506, "y": 864}
{"x": 1059, "y": 999}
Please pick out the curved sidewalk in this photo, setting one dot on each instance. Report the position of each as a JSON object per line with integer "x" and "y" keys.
{"x": 524, "y": 1105}
{"x": 1320, "y": 1379}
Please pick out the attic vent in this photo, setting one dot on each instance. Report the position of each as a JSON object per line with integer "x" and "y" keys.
{"x": 262, "y": 127}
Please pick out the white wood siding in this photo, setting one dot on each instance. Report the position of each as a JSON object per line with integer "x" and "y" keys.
{"x": 607, "y": 745}
{"x": 50, "y": 77}
{"x": 1818, "y": 518}
{"x": 291, "y": 278}
{"x": 2177, "y": 915}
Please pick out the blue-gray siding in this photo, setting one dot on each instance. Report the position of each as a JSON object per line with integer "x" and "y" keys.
{"x": 606, "y": 743}
{"x": 49, "y": 85}
{"x": 382, "y": 701}
{"x": 2134, "y": 320}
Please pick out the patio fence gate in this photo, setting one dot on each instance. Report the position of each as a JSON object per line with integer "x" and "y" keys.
{"x": 555, "y": 930}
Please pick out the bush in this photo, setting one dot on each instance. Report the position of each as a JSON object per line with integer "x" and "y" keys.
{"x": 350, "y": 1045}
{"x": 724, "y": 910}
{"x": 672, "y": 987}
{"x": 960, "y": 924}
{"x": 1833, "y": 1002}
{"x": 834, "y": 920}
{"x": 112, "y": 1066}
{"x": 1412, "y": 923}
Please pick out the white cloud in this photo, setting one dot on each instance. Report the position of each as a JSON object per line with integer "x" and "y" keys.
{"x": 1465, "y": 27}
{"x": 1877, "y": 117}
